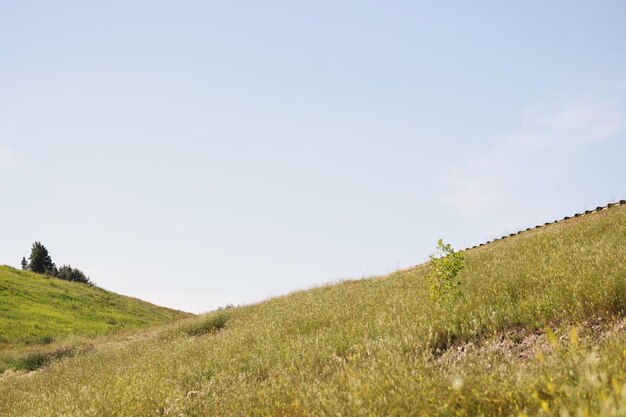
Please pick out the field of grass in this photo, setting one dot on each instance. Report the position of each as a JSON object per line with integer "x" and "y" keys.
{"x": 35, "y": 309}
{"x": 538, "y": 329}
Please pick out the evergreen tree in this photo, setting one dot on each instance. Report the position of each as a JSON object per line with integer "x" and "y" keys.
{"x": 40, "y": 260}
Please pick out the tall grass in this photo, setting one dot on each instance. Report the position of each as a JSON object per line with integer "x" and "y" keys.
{"x": 380, "y": 346}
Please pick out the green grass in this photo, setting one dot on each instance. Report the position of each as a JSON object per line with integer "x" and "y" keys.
{"x": 35, "y": 309}
{"x": 537, "y": 330}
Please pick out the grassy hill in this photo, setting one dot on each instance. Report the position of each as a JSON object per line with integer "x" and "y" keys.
{"x": 37, "y": 309}
{"x": 538, "y": 329}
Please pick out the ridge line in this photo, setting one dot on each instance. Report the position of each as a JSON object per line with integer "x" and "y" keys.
{"x": 539, "y": 226}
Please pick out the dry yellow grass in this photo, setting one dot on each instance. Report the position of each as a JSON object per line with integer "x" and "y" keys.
{"x": 537, "y": 330}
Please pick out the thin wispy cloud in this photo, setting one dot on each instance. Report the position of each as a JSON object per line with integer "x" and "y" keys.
{"x": 548, "y": 136}
{"x": 580, "y": 124}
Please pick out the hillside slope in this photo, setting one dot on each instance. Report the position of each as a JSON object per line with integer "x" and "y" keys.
{"x": 538, "y": 329}
{"x": 38, "y": 309}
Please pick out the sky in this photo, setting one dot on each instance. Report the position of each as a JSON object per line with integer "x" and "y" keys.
{"x": 196, "y": 154}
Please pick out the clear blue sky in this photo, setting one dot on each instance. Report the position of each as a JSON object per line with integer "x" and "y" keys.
{"x": 196, "y": 154}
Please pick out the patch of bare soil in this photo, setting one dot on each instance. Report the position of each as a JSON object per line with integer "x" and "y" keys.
{"x": 522, "y": 344}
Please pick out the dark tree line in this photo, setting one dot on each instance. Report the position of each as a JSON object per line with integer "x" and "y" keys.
{"x": 40, "y": 262}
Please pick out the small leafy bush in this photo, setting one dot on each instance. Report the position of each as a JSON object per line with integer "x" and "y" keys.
{"x": 67, "y": 273}
{"x": 445, "y": 266}
{"x": 34, "y": 360}
{"x": 41, "y": 340}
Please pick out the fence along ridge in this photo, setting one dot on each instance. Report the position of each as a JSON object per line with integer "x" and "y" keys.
{"x": 539, "y": 226}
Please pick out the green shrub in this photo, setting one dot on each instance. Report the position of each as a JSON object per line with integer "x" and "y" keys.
{"x": 41, "y": 340}
{"x": 67, "y": 273}
{"x": 445, "y": 266}
{"x": 34, "y": 360}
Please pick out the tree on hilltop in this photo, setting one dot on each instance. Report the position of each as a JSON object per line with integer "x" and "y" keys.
{"x": 40, "y": 260}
